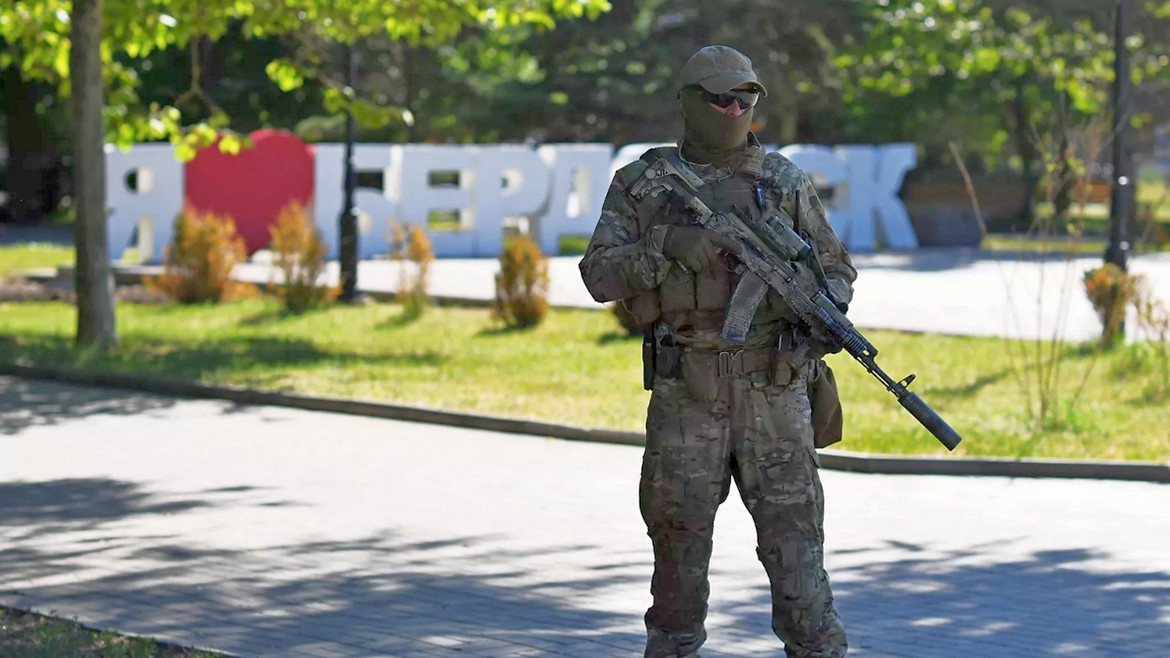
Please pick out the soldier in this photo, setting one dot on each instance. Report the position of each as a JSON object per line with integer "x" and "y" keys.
{"x": 720, "y": 412}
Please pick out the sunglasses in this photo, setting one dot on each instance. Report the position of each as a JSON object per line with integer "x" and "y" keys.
{"x": 746, "y": 97}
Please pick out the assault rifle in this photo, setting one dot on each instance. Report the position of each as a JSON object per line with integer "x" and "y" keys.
{"x": 769, "y": 250}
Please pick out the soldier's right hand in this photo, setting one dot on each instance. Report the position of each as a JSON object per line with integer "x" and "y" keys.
{"x": 693, "y": 246}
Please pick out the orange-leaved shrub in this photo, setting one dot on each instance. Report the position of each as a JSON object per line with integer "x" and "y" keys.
{"x": 299, "y": 255}
{"x": 522, "y": 283}
{"x": 1111, "y": 289}
{"x": 410, "y": 243}
{"x": 198, "y": 263}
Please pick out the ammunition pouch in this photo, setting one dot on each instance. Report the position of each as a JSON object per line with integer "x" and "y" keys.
{"x": 645, "y": 308}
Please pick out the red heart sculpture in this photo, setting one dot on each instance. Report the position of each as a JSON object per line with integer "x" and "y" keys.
{"x": 253, "y": 185}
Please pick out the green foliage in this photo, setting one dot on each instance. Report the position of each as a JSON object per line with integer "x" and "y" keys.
{"x": 285, "y": 74}
{"x": 36, "y": 35}
{"x": 29, "y": 635}
{"x": 615, "y": 79}
{"x": 954, "y": 70}
{"x": 299, "y": 255}
{"x": 198, "y": 263}
{"x": 522, "y": 284}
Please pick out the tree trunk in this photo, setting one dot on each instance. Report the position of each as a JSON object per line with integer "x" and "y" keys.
{"x": 1065, "y": 180}
{"x": 1027, "y": 150}
{"x": 95, "y": 298}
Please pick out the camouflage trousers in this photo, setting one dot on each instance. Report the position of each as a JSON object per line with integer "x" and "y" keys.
{"x": 760, "y": 435}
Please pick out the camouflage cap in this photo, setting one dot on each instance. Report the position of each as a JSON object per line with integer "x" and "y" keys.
{"x": 718, "y": 69}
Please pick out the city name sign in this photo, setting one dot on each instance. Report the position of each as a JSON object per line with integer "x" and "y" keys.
{"x": 478, "y": 192}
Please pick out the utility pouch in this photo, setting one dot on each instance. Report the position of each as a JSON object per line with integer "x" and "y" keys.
{"x": 666, "y": 359}
{"x": 700, "y": 370}
{"x": 782, "y": 373}
{"x": 827, "y": 417}
{"x": 646, "y": 307}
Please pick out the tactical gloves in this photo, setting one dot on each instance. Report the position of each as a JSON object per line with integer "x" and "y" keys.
{"x": 693, "y": 246}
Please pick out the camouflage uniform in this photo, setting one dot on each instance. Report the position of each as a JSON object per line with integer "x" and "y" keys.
{"x": 715, "y": 416}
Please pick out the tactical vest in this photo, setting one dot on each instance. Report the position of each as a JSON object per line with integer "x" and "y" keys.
{"x": 694, "y": 304}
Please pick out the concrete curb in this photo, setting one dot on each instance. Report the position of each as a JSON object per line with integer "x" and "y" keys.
{"x": 831, "y": 459}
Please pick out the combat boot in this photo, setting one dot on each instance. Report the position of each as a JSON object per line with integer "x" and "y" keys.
{"x": 660, "y": 644}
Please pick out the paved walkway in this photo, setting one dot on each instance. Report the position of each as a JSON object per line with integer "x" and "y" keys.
{"x": 274, "y": 532}
{"x": 949, "y": 291}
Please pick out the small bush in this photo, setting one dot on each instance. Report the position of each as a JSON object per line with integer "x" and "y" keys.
{"x": 626, "y": 319}
{"x": 198, "y": 264}
{"x": 1153, "y": 317}
{"x": 522, "y": 284}
{"x": 1110, "y": 290}
{"x": 410, "y": 243}
{"x": 299, "y": 254}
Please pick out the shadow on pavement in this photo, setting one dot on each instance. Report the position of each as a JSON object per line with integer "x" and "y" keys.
{"x": 76, "y": 547}
{"x": 1050, "y": 603}
{"x": 80, "y": 502}
{"x": 370, "y": 597}
{"x": 482, "y": 596}
{"x": 30, "y": 403}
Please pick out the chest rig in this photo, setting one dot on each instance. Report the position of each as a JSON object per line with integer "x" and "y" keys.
{"x": 696, "y": 302}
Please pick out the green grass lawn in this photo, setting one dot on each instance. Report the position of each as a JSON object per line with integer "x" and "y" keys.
{"x": 27, "y": 635}
{"x": 32, "y": 256}
{"x": 576, "y": 369}
{"x": 1059, "y": 245}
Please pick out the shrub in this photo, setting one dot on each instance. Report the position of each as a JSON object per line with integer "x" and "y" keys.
{"x": 198, "y": 264}
{"x": 1153, "y": 317}
{"x": 299, "y": 254}
{"x": 522, "y": 284}
{"x": 1110, "y": 290}
{"x": 410, "y": 243}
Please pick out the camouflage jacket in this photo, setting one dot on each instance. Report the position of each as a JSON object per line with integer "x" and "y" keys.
{"x": 622, "y": 262}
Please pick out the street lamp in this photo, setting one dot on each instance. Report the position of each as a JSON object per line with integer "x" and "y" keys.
{"x": 1121, "y": 203}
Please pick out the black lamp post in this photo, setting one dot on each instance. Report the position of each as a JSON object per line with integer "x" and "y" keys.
{"x": 1122, "y": 202}
{"x": 348, "y": 247}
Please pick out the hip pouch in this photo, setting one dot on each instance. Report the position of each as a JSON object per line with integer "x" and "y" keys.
{"x": 827, "y": 418}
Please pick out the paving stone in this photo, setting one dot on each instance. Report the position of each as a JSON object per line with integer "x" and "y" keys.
{"x": 274, "y": 532}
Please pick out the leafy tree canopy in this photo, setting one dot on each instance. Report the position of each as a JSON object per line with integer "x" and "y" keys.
{"x": 35, "y": 35}
{"x": 974, "y": 70}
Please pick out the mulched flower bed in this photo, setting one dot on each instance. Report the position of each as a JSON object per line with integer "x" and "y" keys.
{"x": 18, "y": 289}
